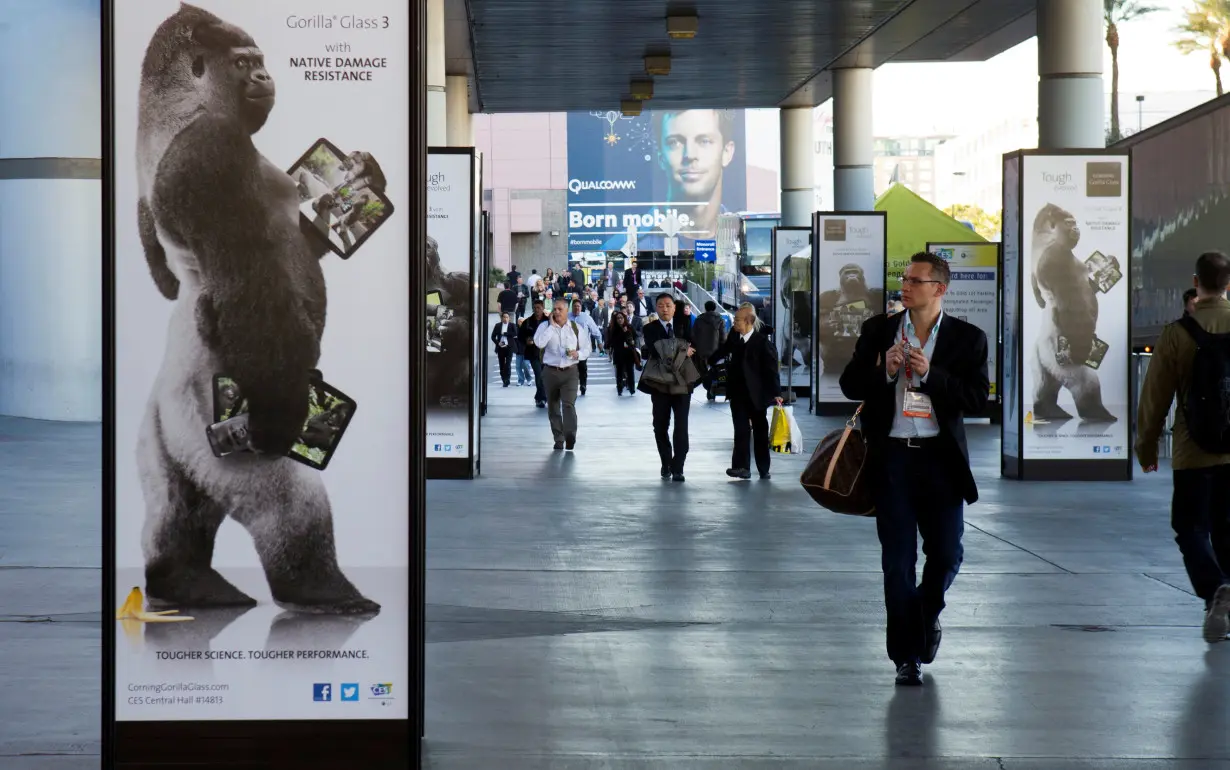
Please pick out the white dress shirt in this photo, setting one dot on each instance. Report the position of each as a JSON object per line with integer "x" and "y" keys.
{"x": 504, "y": 331}
{"x": 554, "y": 342}
{"x": 914, "y": 427}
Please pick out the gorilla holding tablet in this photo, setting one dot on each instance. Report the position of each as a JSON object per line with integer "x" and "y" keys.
{"x": 226, "y": 241}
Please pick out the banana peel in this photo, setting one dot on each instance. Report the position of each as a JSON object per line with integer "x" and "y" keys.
{"x": 133, "y": 608}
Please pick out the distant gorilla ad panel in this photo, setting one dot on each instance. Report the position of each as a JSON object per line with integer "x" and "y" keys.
{"x": 850, "y": 290}
{"x": 281, "y": 562}
{"x": 1075, "y": 307}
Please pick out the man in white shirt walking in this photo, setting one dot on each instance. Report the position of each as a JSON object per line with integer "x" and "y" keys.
{"x": 563, "y": 344}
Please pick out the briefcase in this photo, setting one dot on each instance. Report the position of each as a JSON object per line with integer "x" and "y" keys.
{"x": 836, "y": 474}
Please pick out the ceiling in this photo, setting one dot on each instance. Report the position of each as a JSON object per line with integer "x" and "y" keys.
{"x": 564, "y": 55}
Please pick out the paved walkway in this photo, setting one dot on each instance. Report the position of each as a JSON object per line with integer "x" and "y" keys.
{"x": 583, "y": 615}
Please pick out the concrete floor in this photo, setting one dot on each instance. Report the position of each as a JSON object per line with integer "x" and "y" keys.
{"x": 584, "y": 615}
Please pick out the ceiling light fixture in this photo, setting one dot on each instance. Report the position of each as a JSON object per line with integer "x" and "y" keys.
{"x": 681, "y": 27}
{"x": 630, "y": 107}
{"x": 641, "y": 89}
{"x": 658, "y": 65}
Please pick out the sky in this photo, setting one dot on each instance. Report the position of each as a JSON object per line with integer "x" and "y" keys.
{"x": 911, "y": 98}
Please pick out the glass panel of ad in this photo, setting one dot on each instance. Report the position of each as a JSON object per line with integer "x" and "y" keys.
{"x": 792, "y": 304}
{"x": 849, "y": 277}
{"x": 1076, "y": 341}
{"x": 1010, "y": 321}
{"x": 634, "y": 170}
{"x": 973, "y": 290}
{"x": 451, "y": 317}
{"x": 261, "y": 541}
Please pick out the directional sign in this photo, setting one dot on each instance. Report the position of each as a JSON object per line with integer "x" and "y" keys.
{"x": 629, "y": 249}
{"x": 670, "y": 224}
{"x": 705, "y": 251}
{"x": 670, "y": 246}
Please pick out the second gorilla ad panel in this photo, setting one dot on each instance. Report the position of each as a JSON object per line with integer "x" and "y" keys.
{"x": 1076, "y": 339}
{"x": 849, "y": 290}
{"x": 262, "y": 361}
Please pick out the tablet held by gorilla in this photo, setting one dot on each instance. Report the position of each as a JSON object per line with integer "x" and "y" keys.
{"x": 233, "y": 504}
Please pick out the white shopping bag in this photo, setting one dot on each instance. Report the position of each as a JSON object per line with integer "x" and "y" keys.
{"x": 796, "y": 435}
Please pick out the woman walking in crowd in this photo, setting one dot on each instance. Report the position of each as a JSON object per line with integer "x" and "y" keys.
{"x": 621, "y": 342}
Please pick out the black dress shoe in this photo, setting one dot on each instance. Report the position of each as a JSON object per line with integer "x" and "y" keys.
{"x": 766, "y": 475}
{"x": 570, "y": 442}
{"x": 909, "y": 674}
{"x": 738, "y": 473}
{"x": 541, "y": 404}
{"x": 559, "y": 445}
{"x": 931, "y": 641}
{"x": 666, "y": 472}
{"x": 677, "y": 477}
{"x": 582, "y": 391}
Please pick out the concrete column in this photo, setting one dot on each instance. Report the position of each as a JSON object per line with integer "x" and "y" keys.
{"x": 853, "y": 141}
{"x": 437, "y": 107}
{"x": 1070, "y": 90}
{"x": 798, "y": 166}
{"x": 460, "y": 126}
{"x": 51, "y": 229}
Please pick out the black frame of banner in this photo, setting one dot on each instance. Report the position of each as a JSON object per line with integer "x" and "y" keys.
{"x": 485, "y": 293}
{"x": 467, "y": 467}
{"x": 1019, "y": 468}
{"x": 269, "y": 744}
{"x": 834, "y": 408}
{"x": 791, "y": 390}
{"x": 994, "y": 410}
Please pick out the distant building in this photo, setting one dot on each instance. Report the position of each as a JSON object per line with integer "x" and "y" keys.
{"x": 909, "y": 160}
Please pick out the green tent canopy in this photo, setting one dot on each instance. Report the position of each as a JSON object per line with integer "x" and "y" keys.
{"x": 912, "y": 222}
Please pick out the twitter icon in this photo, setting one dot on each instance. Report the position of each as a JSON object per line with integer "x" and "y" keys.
{"x": 350, "y": 692}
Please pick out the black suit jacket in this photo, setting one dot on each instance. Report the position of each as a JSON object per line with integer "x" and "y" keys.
{"x": 761, "y": 374}
{"x": 958, "y": 383}
{"x": 510, "y": 336}
{"x": 632, "y": 279}
{"x": 655, "y": 331}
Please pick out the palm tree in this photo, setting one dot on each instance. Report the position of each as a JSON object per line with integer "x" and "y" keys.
{"x": 1117, "y": 12}
{"x": 1207, "y": 29}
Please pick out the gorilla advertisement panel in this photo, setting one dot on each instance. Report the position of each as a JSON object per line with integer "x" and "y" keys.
{"x": 849, "y": 272}
{"x": 633, "y": 171}
{"x": 973, "y": 290}
{"x": 261, "y": 362}
{"x": 449, "y": 386}
{"x": 792, "y": 301}
{"x": 1075, "y": 243}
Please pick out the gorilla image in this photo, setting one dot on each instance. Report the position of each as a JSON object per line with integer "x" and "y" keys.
{"x": 321, "y": 431}
{"x": 796, "y": 299}
{"x": 448, "y": 371}
{"x": 841, "y": 313}
{"x": 220, "y": 227}
{"x": 1065, "y": 340}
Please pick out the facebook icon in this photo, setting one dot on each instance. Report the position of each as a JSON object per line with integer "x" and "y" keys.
{"x": 322, "y": 692}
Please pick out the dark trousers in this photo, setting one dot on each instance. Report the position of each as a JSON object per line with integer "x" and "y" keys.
{"x": 665, "y": 406}
{"x": 625, "y": 371}
{"x": 1200, "y": 517}
{"x": 583, "y": 371}
{"x": 520, "y": 311}
{"x": 540, "y": 393}
{"x": 751, "y": 432}
{"x": 505, "y": 357}
{"x": 917, "y": 494}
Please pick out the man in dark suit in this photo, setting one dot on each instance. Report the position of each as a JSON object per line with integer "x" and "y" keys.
{"x": 918, "y": 374}
{"x": 667, "y": 404}
{"x": 632, "y": 279}
{"x": 753, "y": 384}
{"x": 504, "y": 335}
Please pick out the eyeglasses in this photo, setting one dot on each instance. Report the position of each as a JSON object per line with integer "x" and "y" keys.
{"x": 916, "y": 281}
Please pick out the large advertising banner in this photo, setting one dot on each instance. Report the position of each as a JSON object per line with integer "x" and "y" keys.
{"x": 450, "y": 384}
{"x": 261, "y": 362}
{"x": 849, "y": 251}
{"x": 1010, "y": 318}
{"x": 633, "y": 171}
{"x": 973, "y": 291}
{"x": 792, "y": 304}
{"x": 1076, "y": 341}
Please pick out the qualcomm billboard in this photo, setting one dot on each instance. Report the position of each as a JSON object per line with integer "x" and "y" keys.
{"x": 626, "y": 171}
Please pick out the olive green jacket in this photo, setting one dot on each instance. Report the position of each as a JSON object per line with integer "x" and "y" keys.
{"x": 1168, "y": 376}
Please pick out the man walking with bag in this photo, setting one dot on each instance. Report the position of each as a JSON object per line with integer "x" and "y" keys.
{"x": 918, "y": 374}
{"x": 668, "y": 404}
{"x": 1192, "y": 359}
{"x": 563, "y": 344}
{"x": 753, "y": 384}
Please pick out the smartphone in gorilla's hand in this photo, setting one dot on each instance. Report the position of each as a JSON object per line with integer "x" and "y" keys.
{"x": 341, "y": 196}
{"x": 329, "y": 413}
{"x": 1097, "y": 353}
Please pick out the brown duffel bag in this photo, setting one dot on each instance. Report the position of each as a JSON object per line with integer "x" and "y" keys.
{"x": 836, "y": 474}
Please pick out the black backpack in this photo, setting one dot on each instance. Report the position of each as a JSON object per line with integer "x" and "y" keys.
{"x": 1206, "y": 405}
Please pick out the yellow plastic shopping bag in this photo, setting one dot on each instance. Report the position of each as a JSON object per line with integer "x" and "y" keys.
{"x": 779, "y": 430}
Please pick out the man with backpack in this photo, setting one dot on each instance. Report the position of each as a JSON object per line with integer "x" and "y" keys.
{"x": 1191, "y": 360}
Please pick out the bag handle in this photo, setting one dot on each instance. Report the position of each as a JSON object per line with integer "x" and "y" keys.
{"x": 841, "y": 444}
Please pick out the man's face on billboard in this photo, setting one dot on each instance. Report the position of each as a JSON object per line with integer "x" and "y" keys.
{"x": 695, "y": 152}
